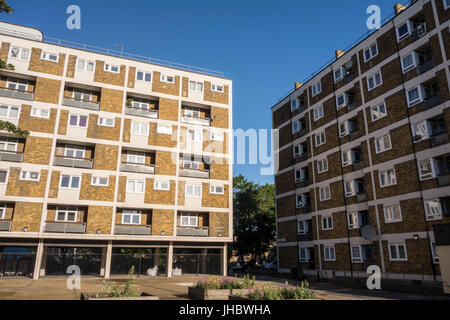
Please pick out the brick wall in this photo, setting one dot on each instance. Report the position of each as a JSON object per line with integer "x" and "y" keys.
{"x": 162, "y": 221}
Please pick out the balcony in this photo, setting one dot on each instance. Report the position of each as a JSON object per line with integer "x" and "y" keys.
{"x": 308, "y": 265}
{"x": 302, "y": 132}
{"x": 439, "y": 139}
{"x": 196, "y": 120}
{"x": 419, "y": 31}
{"x": 11, "y": 156}
{"x": 358, "y": 166}
{"x": 83, "y": 104}
{"x": 140, "y": 112}
{"x": 16, "y": 94}
{"x": 5, "y": 225}
{"x": 355, "y": 135}
{"x": 137, "y": 167}
{"x": 194, "y": 173}
{"x": 303, "y": 157}
{"x": 425, "y": 66}
{"x": 64, "y": 227}
{"x": 305, "y": 237}
{"x": 133, "y": 230}
{"x": 361, "y": 197}
{"x": 73, "y": 162}
{"x": 192, "y": 232}
{"x": 444, "y": 178}
{"x": 302, "y": 183}
{"x": 348, "y": 78}
{"x": 431, "y": 102}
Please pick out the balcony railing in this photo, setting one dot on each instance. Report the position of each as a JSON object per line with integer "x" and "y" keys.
{"x": 139, "y": 112}
{"x": 192, "y": 232}
{"x": 83, "y": 104}
{"x": 196, "y": 120}
{"x": 308, "y": 265}
{"x": 5, "y": 225}
{"x": 355, "y": 135}
{"x": 306, "y": 208}
{"x": 444, "y": 178}
{"x": 11, "y": 156}
{"x": 361, "y": 197}
{"x": 348, "y": 78}
{"x": 358, "y": 166}
{"x": 73, "y": 162}
{"x": 303, "y": 157}
{"x": 194, "y": 173}
{"x": 425, "y": 66}
{"x": 16, "y": 94}
{"x": 65, "y": 227}
{"x": 137, "y": 167}
{"x": 431, "y": 102}
{"x": 419, "y": 32}
{"x": 305, "y": 237}
{"x": 439, "y": 138}
{"x": 133, "y": 230}
{"x": 302, "y": 132}
{"x": 302, "y": 183}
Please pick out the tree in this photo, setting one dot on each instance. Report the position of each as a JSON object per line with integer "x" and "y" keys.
{"x": 5, "y": 8}
{"x": 254, "y": 217}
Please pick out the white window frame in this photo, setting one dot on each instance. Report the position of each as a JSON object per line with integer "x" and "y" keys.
{"x": 410, "y": 26}
{"x": 303, "y": 227}
{"x": 304, "y": 252}
{"x": 327, "y": 223}
{"x": 420, "y": 98}
{"x": 397, "y": 245}
{"x": 197, "y": 136}
{"x": 302, "y": 203}
{"x": 78, "y": 116}
{"x": 66, "y": 211}
{"x": 102, "y": 121}
{"x": 217, "y": 88}
{"x": 433, "y": 166}
{"x": 356, "y": 259}
{"x": 318, "y": 113}
{"x": 434, "y": 254}
{"x": 296, "y": 126}
{"x": 321, "y": 141}
{"x": 20, "y": 53}
{"x": 302, "y": 174}
{"x": 71, "y": 178}
{"x": 196, "y": 191}
{"x": 345, "y": 131}
{"x": 324, "y": 164}
{"x": 8, "y": 112}
{"x": 96, "y": 181}
{"x": 83, "y": 94}
{"x": 329, "y": 256}
{"x": 370, "y": 48}
{"x": 389, "y": 214}
{"x": 198, "y": 86}
{"x": 47, "y": 55}
{"x": 341, "y": 74}
{"x": 300, "y": 150}
{"x": 384, "y": 175}
{"x": 353, "y": 188}
{"x": 144, "y": 74}
{"x": 351, "y": 221}
{"x": 17, "y": 83}
{"x": 86, "y": 64}
{"x": 37, "y": 113}
{"x": 143, "y": 128}
{"x": 213, "y": 190}
{"x": 191, "y": 164}
{"x": 426, "y": 131}
{"x": 131, "y": 214}
{"x": 136, "y": 182}
{"x": 415, "y": 61}
{"x": 6, "y": 176}
{"x": 382, "y": 144}
{"x": 446, "y": 4}
{"x": 344, "y": 103}
{"x": 351, "y": 156}
{"x": 137, "y": 155}
{"x": 75, "y": 149}
{"x": 295, "y": 104}
{"x": 373, "y": 77}
{"x": 430, "y": 215}
{"x": 27, "y": 176}
{"x": 191, "y": 217}
{"x": 10, "y": 142}
{"x": 109, "y": 68}
{"x": 217, "y": 136}
{"x": 166, "y": 78}
{"x": 377, "y": 109}
{"x": 2, "y": 212}
{"x": 316, "y": 89}
{"x": 161, "y": 185}
{"x": 325, "y": 193}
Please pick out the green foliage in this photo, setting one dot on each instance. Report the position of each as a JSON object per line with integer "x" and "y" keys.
{"x": 254, "y": 216}
{"x": 284, "y": 293}
{"x": 5, "y": 8}
{"x": 227, "y": 283}
{"x": 10, "y": 127}
{"x": 6, "y": 66}
{"x": 112, "y": 290}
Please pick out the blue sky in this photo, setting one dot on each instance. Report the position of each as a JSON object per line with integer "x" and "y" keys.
{"x": 263, "y": 46}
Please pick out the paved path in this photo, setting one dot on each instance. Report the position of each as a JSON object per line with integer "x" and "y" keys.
{"x": 54, "y": 288}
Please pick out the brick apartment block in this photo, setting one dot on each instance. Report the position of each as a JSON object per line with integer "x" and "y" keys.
{"x": 121, "y": 154}
{"x": 364, "y": 153}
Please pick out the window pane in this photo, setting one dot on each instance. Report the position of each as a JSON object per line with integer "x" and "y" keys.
{"x": 65, "y": 181}
{"x": 71, "y": 216}
{"x": 401, "y": 252}
{"x": 75, "y": 182}
{"x": 136, "y": 219}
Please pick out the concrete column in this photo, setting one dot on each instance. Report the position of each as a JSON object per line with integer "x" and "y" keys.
{"x": 102, "y": 268}
{"x": 37, "y": 264}
{"x": 169, "y": 260}
{"x": 224, "y": 260}
{"x": 156, "y": 257}
{"x": 204, "y": 254}
{"x": 43, "y": 262}
{"x": 107, "y": 267}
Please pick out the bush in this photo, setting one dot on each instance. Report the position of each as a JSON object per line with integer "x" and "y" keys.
{"x": 111, "y": 290}
{"x": 284, "y": 293}
{"x": 227, "y": 283}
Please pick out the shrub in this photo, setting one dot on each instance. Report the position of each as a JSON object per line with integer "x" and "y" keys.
{"x": 227, "y": 283}
{"x": 111, "y": 290}
{"x": 283, "y": 293}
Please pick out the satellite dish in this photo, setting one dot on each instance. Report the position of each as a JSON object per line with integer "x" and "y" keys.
{"x": 368, "y": 232}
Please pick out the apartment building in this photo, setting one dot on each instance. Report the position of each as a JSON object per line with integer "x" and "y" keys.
{"x": 364, "y": 153}
{"x": 109, "y": 152}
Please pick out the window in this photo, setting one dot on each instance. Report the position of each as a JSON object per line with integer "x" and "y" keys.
{"x": 2, "y": 212}
{"x": 3, "y": 176}
{"x": 433, "y": 248}
{"x": 69, "y": 182}
{"x": 383, "y": 143}
{"x": 131, "y": 216}
{"x": 318, "y": 113}
{"x": 66, "y": 214}
{"x": 161, "y": 185}
{"x": 420, "y": 131}
{"x": 426, "y": 169}
{"x": 295, "y": 126}
{"x": 346, "y": 127}
{"x": 433, "y": 209}
{"x": 140, "y": 103}
{"x": 350, "y": 188}
{"x": 316, "y": 89}
{"x": 30, "y": 175}
{"x": 342, "y": 100}
{"x": 100, "y": 181}
{"x": 216, "y": 88}
{"x": 387, "y": 178}
{"x": 374, "y": 81}
{"x": 15, "y": 84}
{"x": 191, "y": 164}
{"x": 85, "y": 65}
{"x": 329, "y": 254}
{"x": 446, "y": 4}
{"x": 193, "y": 191}
{"x": 111, "y": 68}
{"x": 135, "y": 186}
{"x": 19, "y": 53}
{"x": 338, "y": 75}
{"x": 404, "y": 30}
{"x": 217, "y": 136}
{"x": 350, "y": 157}
{"x": 409, "y": 62}
{"x": 77, "y": 121}
{"x": 327, "y": 223}
{"x": 49, "y": 56}
{"x": 415, "y": 96}
{"x": 166, "y": 78}
{"x": 10, "y": 112}
{"x": 195, "y": 135}
{"x": 164, "y": 129}
{"x": 370, "y": 52}
{"x": 378, "y": 112}
{"x": 301, "y": 200}
{"x": 356, "y": 254}
{"x": 301, "y": 174}
{"x": 74, "y": 152}
{"x": 303, "y": 227}
{"x": 320, "y": 138}
{"x": 143, "y": 76}
{"x": 304, "y": 255}
{"x": 82, "y": 95}
{"x": 298, "y": 150}
{"x": 322, "y": 165}
{"x": 192, "y": 112}
{"x": 196, "y": 86}
{"x": 40, "y": 113}
{"x": 353, "y": 220}
{"x": 140, "y": 129}
{"x": 324, "y": 193}
{"x": 295, "y": 104}
{"x": 136, "y": 157}
{"x": 216, "y": 190}
{"x": 9, "y": 145}
{"x": 107, "y": 122}
{"x": 189, "y": 219}
{"x": 397, "y": 252}
{"x": 392, "y": 214}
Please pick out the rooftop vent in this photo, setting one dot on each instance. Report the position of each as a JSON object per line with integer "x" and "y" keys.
{"x": 298, "y": 85}
{"x": 399, "y": 8}
{"x": 339, "y": 53}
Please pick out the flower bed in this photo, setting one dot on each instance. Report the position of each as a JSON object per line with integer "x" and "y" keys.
{"x": 216, "y": 288}
{"x": 287, "y": 292}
